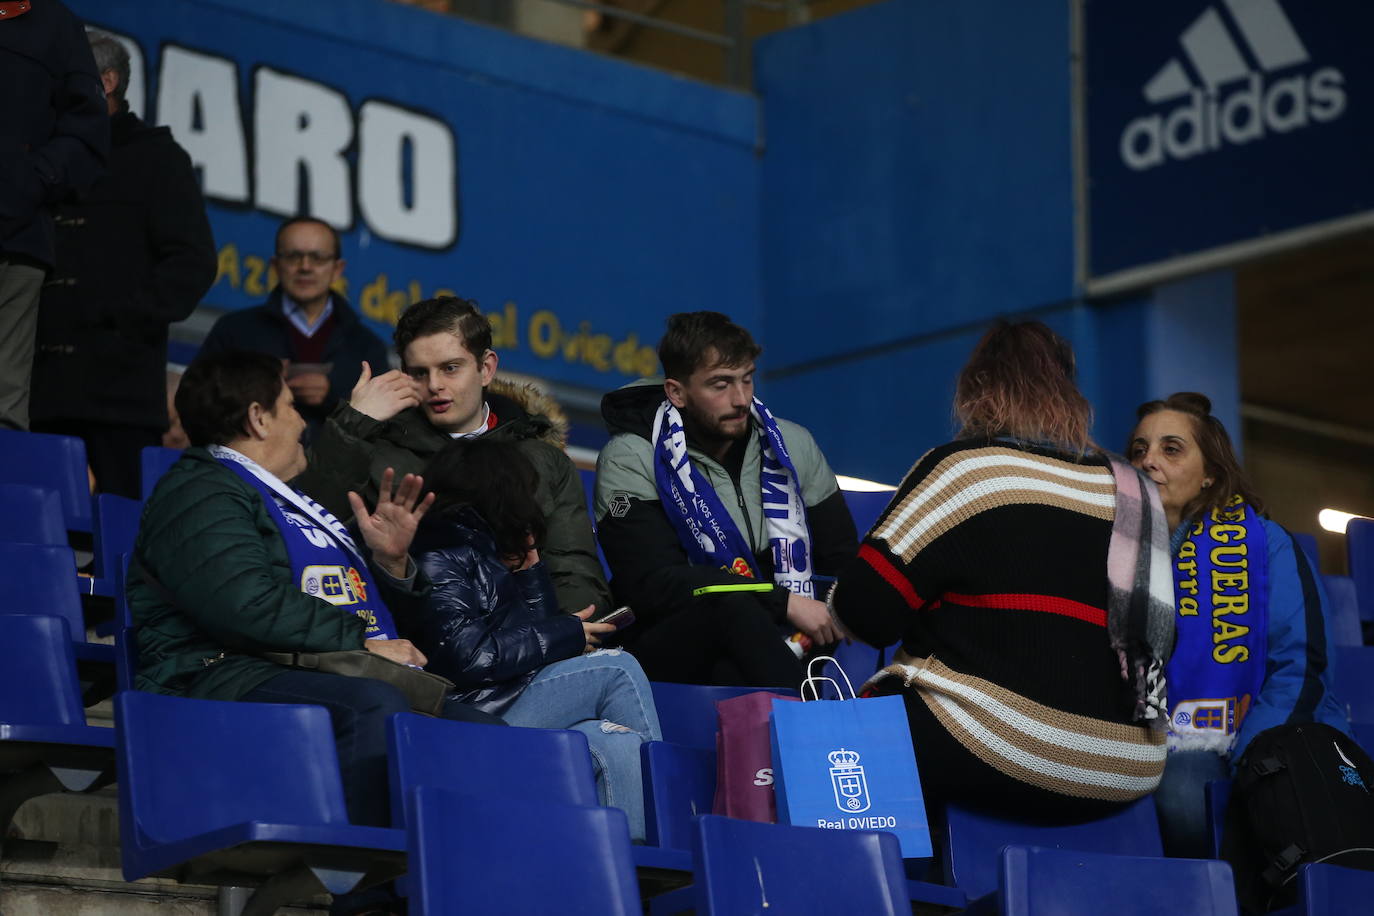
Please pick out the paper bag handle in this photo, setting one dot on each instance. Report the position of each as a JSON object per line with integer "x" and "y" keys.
{"x": 813, "y": 679}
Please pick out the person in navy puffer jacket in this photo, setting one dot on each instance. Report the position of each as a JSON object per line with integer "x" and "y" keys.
{"x": 493, "y": 625}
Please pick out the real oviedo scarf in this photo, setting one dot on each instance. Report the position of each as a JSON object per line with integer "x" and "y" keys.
{"x": 1222, "y": 588}
{"x": 324, "y": 560}
{"x": 707, "y": 531}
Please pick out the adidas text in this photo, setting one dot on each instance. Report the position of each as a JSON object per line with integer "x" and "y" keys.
{"x": 1207, "y": 123}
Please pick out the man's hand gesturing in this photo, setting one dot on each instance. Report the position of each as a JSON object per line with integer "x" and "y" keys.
{"x": 383, "y": 396}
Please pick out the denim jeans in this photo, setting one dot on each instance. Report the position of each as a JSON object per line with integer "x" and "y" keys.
{"x": 606, "y": 696}
{"x": 1182, "y": 804}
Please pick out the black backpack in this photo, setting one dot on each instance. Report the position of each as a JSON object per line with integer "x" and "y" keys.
{"x": 1302, "y": 793}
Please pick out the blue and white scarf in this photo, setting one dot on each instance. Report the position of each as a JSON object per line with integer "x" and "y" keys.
{"x": 1221, "y": 585}
{"x": 707, "y": 531}
{"x": 324, "y": 560}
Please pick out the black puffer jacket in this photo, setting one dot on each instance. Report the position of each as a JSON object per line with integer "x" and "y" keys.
{"x": 487, "y": 629}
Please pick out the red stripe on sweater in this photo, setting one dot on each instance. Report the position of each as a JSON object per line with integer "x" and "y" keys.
{"x": 891, "y": 575}
{"x": 1048, "y": 604}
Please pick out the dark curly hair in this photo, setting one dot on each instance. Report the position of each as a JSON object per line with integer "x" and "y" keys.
{"x": 1218, "y": 457}
{"x": 492, "y": 477}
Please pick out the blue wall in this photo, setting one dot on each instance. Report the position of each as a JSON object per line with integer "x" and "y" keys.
{"x": 592, "y": 196}
{"x": 917, "y": 181}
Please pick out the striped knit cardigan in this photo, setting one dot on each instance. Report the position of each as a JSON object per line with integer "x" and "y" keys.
{"x": 990, "y": 565}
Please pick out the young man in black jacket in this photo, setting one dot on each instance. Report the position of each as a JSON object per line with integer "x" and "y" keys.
{"x": 714, "y": 515}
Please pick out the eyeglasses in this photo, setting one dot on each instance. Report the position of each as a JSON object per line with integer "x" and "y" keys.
{"x": 295, "y": 258}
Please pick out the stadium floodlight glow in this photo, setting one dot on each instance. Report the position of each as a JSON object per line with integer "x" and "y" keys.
{"x": 1335, "y": 520}
{"x": 860, "y": 485}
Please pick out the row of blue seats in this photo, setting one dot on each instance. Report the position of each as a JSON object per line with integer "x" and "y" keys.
{"x": 204, "y": 796}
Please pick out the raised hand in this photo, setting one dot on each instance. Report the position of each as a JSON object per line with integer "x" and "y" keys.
{"x": 384, "y": 396}
{"x": 389, "y": 529}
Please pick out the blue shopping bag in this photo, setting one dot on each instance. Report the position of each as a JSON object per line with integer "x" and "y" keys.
{"x": 849, "y": 765}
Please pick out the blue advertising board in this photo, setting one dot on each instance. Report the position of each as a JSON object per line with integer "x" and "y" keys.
{"x": 1216, "y": 122}
{"x": 579, "y": 199}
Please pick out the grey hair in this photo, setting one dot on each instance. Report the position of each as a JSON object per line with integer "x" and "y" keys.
{"x": 110, "y": 54}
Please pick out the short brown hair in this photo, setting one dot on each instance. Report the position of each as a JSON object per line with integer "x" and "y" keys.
{"x": 692, "y": 336}
{"x": 1219, "y": 459}
{"x": 1019, "y": 382}
{"x": 217, "y": 389}
{"x": 444, "y": 315}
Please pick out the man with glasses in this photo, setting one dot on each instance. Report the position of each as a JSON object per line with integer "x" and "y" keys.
{"x": 306, "y": 323}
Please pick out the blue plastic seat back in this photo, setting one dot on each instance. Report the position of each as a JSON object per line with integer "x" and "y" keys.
{"x": 538, "y": 764}
{"x": 55, "y": 462}
{"x": 1359, "y": 545}
{"x": 38, "y": 672}
{"x": 748, "y": 867}
{"x": 679, "y": 785}
{"x": 126, "y": 635}
{"x": 1354, "y": 680}
{"x": 481, "y": 852}
{"x": 865, "y": 507}
{"x": 187, "y": 767}
{"x": 1343, "y": 611}
{"x": 154, "y": 462}
{"x": 1330, "y": 890}
{"x": 975, "y": 839}
{"x": 687, "y": 712}
{"x": 31, "y": 514}
{"x": 116, "y": 526}
{"x": 1069, "y": 882}
{"x": 41, "y": 579}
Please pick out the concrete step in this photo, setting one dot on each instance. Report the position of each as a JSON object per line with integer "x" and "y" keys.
{"x": 62, "y": 859}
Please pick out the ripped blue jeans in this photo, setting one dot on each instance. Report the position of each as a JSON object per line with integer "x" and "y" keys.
{"x": 606, "y": 696}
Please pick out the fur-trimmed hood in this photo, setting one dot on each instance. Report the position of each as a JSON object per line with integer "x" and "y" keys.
{"x": 535, "y": 402}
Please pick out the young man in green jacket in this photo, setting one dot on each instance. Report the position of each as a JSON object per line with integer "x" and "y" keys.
{"x": 447, "y": 389}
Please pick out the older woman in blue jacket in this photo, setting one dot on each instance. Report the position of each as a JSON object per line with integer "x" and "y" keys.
{"x": 1252, "y": 651}
{"x": 493, "y": 625}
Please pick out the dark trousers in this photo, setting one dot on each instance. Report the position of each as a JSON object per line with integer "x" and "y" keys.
{"x": 358, "y": 709}
{"x": 727, "y": 643}
{"x": 114, "y": 452}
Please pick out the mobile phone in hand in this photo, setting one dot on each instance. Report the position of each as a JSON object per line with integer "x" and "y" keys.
{"x": 620, "y": 618}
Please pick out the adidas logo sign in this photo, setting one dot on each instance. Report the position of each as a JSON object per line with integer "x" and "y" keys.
{"x": 1250, "y": 107}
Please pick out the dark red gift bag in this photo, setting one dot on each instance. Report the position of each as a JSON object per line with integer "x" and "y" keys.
{"x": 744, "y": 758}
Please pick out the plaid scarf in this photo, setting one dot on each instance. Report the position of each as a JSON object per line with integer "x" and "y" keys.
{"x": 1140, "y": 604}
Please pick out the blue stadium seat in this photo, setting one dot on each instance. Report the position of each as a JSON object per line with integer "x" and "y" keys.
{"x": 530, "y": 763}
{"x": 1343, "y": 612}
{"x": 1072, "y": 882}
{"x": 679, "y": 785}
{"x": 45, "y": 744}
{"x": 125, "y": 634}
{"x": 240, "y": 794}
{"x": 41, "y": 579}
{"x": 687, "y": 712}
{"x": 589, "y": 491}
{"x": 747, "y": 867}
{"x": 971, "y": 854}
{"x": 1329, "y": 890}
{"x": 481, "y": 852}
{"x": 1354, "y": 683}
{"x": 116, "y": 525}
{"x": 865, "y": 507}
{"x": 155, "y": 460}
{"x": 1217, "y": 795}
{"x": 1359, "y": 545}
{"x": 32, "y": 515}
{"x": 56, "y": 462}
